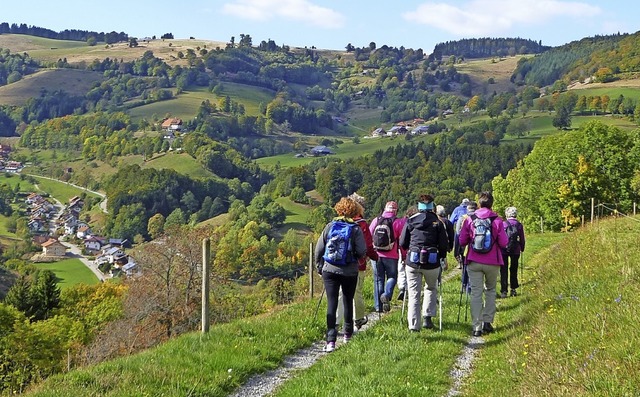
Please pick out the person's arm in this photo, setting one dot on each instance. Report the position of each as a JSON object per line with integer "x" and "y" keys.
{"x": 405, "y": 237}
{"x": 319, "y": 252}
{"x": 359, "y": 244}
{"x": 371, "y": 252}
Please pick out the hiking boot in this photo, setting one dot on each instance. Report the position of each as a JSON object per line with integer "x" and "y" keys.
{"x": 385, "y": 303}
{"x": 401, "y": 295}
{"x": 514, "y": 292}
{"x": 347, "y": 338}
{"x": 503, "y": 295}
{"x": 329, "y": 347}
{"x": 361, "y": 322}
{"x": 477, "y": 333}
{"x": 427, "y": 323}
{"x": 487, "y": 328}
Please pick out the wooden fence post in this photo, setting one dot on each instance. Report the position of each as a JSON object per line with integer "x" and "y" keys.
{"x": 206, "y": 255}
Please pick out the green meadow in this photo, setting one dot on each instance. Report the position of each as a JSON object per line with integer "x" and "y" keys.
{"x": 186, "y": 104}
{"x": 70, "y": 272}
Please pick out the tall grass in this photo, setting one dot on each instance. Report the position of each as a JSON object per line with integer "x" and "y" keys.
{"x": 574, "y": 331}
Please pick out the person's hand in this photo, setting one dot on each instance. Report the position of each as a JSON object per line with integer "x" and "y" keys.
{"x": 444, "y": 264}
{"x": 319, "y": 268}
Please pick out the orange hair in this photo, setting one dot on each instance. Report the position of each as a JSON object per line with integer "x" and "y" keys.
{"x": 347, "y": 207}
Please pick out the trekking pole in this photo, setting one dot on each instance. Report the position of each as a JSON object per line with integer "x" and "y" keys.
{"x": 460, "y": 302}
{"x": 440, "y": 296}
{"x": 315, "y": 316}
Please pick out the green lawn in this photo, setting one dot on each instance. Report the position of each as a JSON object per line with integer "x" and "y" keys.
{"x": 60, "y": 190}
{"x": 70, "y": 272}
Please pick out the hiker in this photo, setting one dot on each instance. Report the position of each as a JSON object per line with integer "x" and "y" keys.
{"x": 425, "y": 239}
{"x": 511, "y": 253}
{"x": 462, "y": 251}
{"x": 484, "y": 259}
{"x": 402, "y": 274}
{"x": 455, "y": 217}
{"x": 448, "y": 227}
{"x": 358, "y": 299}
{"x": 385, "y": 231}
{"x": 344, "y": 272}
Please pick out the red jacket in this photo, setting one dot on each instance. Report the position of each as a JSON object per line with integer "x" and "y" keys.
{"x": 371, "y": 252}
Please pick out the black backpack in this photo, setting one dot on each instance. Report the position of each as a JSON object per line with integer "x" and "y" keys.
{"x": 513, "y": 237}
{"x": 382, "y": 235}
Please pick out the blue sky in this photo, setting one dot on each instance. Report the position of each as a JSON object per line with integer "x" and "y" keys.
{"x": 331, "y": 24}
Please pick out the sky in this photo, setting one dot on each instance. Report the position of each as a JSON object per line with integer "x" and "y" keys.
{"x": 332, "y": 24}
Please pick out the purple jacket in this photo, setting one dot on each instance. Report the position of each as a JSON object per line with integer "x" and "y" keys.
{"x": 398, "y": 225}
{"x": 499, "y": 237}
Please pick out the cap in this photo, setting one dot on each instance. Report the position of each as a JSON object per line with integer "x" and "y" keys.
{"x": 391, "y": 206}
{"x": 357, "y": 198}
{"x": 465, "y": 201}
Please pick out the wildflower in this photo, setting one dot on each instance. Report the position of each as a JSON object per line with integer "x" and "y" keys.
{"x": 618, "y": 299}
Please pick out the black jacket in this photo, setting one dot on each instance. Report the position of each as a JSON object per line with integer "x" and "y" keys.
{"x": 424, "y": 229}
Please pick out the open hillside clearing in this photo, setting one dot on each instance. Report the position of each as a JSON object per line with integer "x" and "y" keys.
{"x": 73, "y": 81}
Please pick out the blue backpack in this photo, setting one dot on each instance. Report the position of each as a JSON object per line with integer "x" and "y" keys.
{"x": 482, "y": 240}
{"x": 338, "y": 249}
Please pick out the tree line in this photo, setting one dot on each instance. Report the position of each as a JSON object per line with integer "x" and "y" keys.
{"x": 67, "y": 34}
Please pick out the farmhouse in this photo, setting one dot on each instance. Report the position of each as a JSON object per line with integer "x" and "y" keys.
{"x": 172, "y": 124}
{"x": 320, "y": 150}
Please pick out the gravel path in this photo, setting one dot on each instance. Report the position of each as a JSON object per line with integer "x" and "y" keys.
{"x": 263, "y": 384}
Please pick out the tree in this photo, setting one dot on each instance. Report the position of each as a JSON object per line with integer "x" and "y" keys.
{"x": 155, "y": 226}
{"x": 176, "y": 218}
{"x": 45, "y": 294}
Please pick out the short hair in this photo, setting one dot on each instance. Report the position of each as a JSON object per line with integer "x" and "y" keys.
{"x": 440, "y": 211}
{"x": 472, "y": 206}
{"x": 425, "y": 198}
{"x": 347, "y": 207}
{"x": 411, "y": 211}
{"x": 485, "y": 200}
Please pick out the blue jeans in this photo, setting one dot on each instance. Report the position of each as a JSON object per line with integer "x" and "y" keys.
{"x": 386, "y": 270}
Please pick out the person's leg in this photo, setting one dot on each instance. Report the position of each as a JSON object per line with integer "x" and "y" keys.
{"x": 476, "y": 279}
{"x": 332, "y": 288}
{"x": 402, "y": 277}
{"x": 391, "y": 270}
{"x": 339, "y": 310}
{"x": 491, "y": 279}
{"x": 504, "y": 276}
{"x": 430, "y": 300}
{"x": 515, "y": 259}
{"x": 378, "y": 283}
{"x": 358, "y": 298}
{"x": 349, "y": 288}
{"x": 414, "y": 289}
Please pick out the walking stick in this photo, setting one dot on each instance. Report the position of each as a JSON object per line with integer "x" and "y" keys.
{"x": 315, "y": 316}
{"x": 404, "y": 300}
{"x": 440, "y": 296}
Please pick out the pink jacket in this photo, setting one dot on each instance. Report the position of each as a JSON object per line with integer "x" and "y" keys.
{"x": 398, "y": 225}
{"x": 499, "y": 237}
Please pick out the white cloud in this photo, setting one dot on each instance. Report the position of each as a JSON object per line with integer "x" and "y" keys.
{"x": 296, "y": 10}
{"x": 489, "y": 17}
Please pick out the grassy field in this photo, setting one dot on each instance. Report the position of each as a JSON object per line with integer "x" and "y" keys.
{"x": 78, "y": 51}
{"x": 70, "y": 272}
{"x": 186, "y": 104}
{"x": 74, "y": 81}
{"x": 60, "y": 190}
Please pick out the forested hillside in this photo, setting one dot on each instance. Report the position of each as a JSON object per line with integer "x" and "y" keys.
{"x": 488, "y": 47}
{"x": 600, "y": 57}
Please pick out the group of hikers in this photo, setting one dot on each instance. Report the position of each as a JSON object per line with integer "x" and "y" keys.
{"x": 404, "y": 250}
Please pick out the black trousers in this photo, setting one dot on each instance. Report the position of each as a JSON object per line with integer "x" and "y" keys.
{"x": 332, "y": 284}
{"x": 509, "y": 272}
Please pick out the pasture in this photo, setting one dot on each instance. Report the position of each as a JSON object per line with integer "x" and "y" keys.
{"x": 74, "y": 81}
{"x": 70, "y": 272}
{"x": 186, "y": 104}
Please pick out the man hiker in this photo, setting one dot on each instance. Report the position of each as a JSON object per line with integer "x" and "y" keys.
{"x": 385, "y": 231}
{"x": 455, "y": 217}
{"x": 484, "y": 233}
{"x": 425, "y": 239}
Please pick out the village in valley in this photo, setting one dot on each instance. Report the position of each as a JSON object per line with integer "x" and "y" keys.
{"x": 58, "y": 229}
